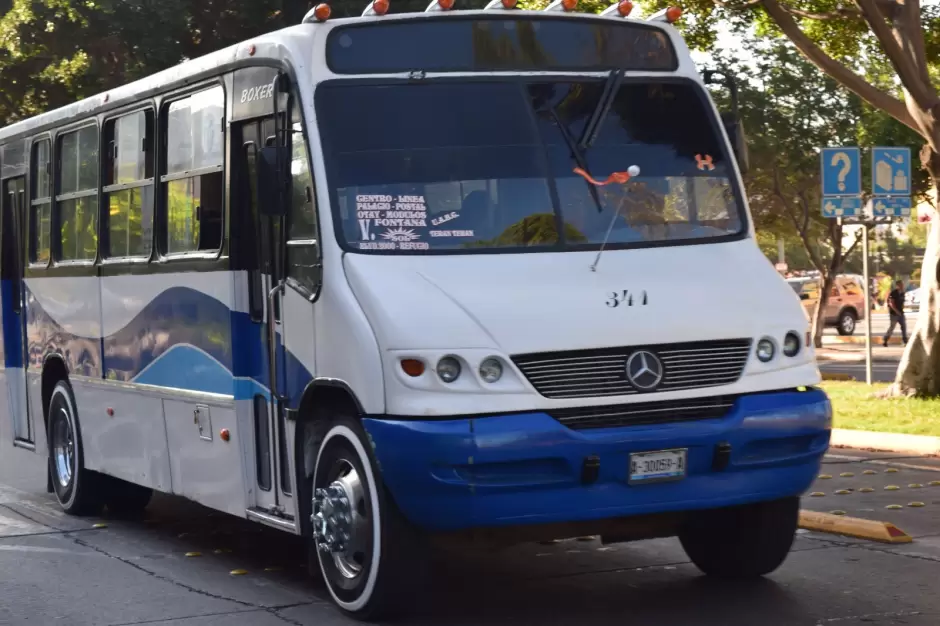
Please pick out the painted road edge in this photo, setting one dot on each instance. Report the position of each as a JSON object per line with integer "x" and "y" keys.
{"x": 885, "y": 442}
{"x": 883, "y": 532}
{"x": 837, "y": 376}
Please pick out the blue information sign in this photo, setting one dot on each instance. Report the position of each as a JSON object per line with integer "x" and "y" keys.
{"x": 841, "y": 171}
{"x": 841, "y": 206}
{"x": 891, "y": 171}
{"x": 891, "y": 206}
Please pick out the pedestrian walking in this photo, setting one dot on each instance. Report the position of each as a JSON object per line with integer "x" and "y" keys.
{"x": 896, "y": 313}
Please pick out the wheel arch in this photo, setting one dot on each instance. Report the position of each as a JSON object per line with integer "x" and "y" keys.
{"x": 54, "y": 369}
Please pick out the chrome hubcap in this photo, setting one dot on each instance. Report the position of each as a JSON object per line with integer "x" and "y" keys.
{"x": 341, "y": 523}
{"x": 848, "y": 323}
{"x": 63, "y": 447}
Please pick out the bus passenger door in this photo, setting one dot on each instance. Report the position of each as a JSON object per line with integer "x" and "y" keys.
{"x": 262, "y": 248}
{"x": 13, "y": 232}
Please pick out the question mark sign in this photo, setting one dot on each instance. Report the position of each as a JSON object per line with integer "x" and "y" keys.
{"x": 842, "y": 157}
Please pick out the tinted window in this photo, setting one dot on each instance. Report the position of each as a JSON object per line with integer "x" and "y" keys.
{"x": 481, "y": 174}
{"x": 684, "y": 188}
{"x": 129, "y": 197}
{"x": 40, "y": 214}
{"x": 498, "y": 43}
{"x": 77, "y": 202}
{"x": 193, "y": 180}
{"x": 417, "y": 179}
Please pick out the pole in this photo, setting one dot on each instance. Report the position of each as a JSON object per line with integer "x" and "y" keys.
{"x": 867, "y": 304}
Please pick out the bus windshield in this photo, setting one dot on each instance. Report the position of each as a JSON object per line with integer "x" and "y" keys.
{"x": 451, "y": 166}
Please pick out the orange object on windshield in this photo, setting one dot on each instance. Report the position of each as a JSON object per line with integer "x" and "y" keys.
{"x": 615, "y": 177}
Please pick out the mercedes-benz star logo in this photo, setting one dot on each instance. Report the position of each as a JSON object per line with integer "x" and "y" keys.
{"x": 644, "y": 370}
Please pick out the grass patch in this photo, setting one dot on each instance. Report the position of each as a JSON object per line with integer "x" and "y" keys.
{"x": 854, "y": 407}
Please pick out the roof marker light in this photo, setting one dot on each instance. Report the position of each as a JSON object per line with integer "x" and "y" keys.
{"x": 496, "y": 4}
{"x": 376, "y": 7}
{"x": 562, "y": 5}
{"x": 440, "y": 5}
{"x": 618, "y": 9}
{"x": 673, "y": 14}
{"x": 319, "y": 13}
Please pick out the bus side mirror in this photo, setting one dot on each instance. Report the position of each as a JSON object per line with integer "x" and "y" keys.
{"x": 738, "y": 139}
{"x": 273, "y": 176}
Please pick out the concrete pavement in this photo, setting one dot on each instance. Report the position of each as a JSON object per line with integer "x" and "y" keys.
{"x": 58, "y": 569}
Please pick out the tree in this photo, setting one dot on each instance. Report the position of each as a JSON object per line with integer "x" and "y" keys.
{"x": 887, "y": 52}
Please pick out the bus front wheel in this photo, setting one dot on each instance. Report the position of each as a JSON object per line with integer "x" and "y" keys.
{"x": 78, "y": 490}
{"x": 368, "y": 554}
{"x": 744, "y": 541}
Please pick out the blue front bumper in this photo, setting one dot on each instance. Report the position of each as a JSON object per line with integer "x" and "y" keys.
{"x": 527, "y": 468}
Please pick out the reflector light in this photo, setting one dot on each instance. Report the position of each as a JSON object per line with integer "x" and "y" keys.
{"x": 322, "y": 12}
{"x": 509, "y": 4}
{"x": 380, "y": 7}
{"x": 412, "y": 367}
{"x": 446, "y": 5}
{"x": 673, "y": 14}
{"x": 569, "y": 5}
{"x": 624, "y": 8}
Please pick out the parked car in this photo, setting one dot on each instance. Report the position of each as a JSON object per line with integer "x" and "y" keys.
{"x": 846, "y": 304}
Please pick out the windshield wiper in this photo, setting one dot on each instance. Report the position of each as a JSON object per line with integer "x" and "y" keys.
{"x": 601, "y": 109}
{"x": 577, "y": 154}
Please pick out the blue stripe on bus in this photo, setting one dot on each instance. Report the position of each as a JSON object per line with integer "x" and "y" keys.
{"x": 182, "y": 339}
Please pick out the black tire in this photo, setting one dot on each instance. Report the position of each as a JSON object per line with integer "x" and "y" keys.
{"x": 742, "y": 542}
{"x": 846, "y": 323}
{"x": 126, "y": 499}
{"x": 393, "y": 560}
{"x": 78, "y": 490}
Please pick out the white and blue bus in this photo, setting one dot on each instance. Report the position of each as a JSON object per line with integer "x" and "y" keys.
{"x": 482, "y": 273}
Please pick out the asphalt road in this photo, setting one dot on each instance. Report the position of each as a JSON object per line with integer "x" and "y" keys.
{"x": 882, "y": 372}
{"x": 58, "y": 569}
{"x": 879, "y": 325}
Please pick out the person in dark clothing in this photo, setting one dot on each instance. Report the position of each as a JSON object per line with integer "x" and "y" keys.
{"x": 896, "y": 312}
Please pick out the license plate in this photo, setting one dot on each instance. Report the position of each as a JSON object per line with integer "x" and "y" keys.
{"x": 658, "y": 466}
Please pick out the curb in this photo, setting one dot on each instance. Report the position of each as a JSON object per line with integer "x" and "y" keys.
{"x": 833, "y": 355}
{"x": 885, "y": 532}
{"x": 885, "y": 442}
{"x": 836, "y": 376}
{"x": 835, "y": 340}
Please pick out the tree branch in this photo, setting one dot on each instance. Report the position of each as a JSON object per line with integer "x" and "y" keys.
{"x": 909, "y": 34}
{"x": 838, "y": 14}
{"x": 904, "y": 65}
{"x": 838, "y": 72}
{"x": 858, "y": 239}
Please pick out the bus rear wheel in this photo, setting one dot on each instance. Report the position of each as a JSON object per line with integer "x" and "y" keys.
{"x": 77, "y": 489}
{"x": 371, "y": 559}
{"x": 744, "y": 541}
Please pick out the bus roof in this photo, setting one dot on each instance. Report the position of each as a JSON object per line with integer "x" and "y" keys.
{"x": 276, "y": 47}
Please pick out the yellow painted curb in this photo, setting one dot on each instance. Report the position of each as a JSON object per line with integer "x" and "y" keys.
{"x": 853, "y": 527}
{"x": 837, "y": 376}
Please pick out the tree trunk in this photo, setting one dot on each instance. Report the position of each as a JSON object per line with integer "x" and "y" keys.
{"x": 919, "y": 370}
{"x": 819, "y": 315}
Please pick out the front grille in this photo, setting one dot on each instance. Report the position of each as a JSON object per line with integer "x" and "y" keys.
{"x": 640, "y": 413}
{"x": 596, "y": 373}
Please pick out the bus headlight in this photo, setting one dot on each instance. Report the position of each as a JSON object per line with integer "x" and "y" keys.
{"x": 791, "y": 344}
{"x": 448, "y": 369}
{"x": 491, "y": 370}
{"x": 765, "y": 350}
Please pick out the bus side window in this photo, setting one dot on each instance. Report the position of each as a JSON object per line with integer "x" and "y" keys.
{"x": 129, "y": 185}
{"x": 193, "y": 182}
{"x": 303, "y": 246}
{"x": 77, "y": 200}
{"x": 40, "y": 211}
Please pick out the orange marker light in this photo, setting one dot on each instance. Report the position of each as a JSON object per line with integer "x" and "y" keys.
{"x": 225, "y": 434}
{"x": 509, "y": 4}
{"x": 380, "y": 7}
{"x": 446, "y": 5}
{"x": 322, "y": 12}
{"x": 673, "y": 14}
{"x": 569, "y": 5}
{"x": 251, "y": 49}
{"x": 624, "y": 8}
{"x": 412, "y": 367}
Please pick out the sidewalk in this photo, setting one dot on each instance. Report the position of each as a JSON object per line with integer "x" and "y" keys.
{"x": 855, "y": 353}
